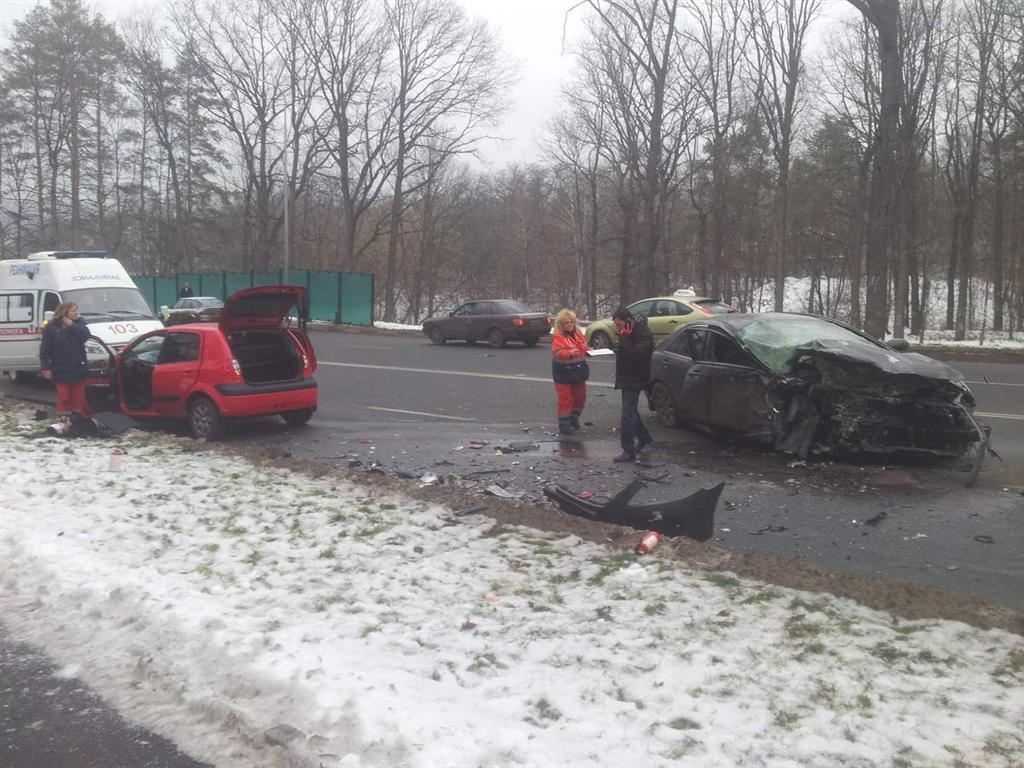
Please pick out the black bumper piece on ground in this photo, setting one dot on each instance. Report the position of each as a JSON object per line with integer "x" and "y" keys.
{"x": 692, "y": 516}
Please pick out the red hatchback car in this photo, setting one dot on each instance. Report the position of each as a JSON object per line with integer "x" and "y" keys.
{"x": 256, "y": 360}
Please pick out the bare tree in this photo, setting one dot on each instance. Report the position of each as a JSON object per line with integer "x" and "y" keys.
{"x": 447, "y": 86}
{"x": 778, "y": 31}
{"x": 716, "y": 74}
{"x": 884, "y": 16}
{"x": 347, "y": 42}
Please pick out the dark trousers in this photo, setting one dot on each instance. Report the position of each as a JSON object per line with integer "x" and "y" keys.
{"x": 632, "y": 429}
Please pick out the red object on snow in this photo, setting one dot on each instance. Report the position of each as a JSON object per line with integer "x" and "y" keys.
{"x": 648, "y": 541}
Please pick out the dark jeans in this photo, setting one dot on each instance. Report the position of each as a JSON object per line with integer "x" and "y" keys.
{"x": 632, "y": 429}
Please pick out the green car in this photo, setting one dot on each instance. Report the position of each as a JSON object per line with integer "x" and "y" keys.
{"x": 664, "y": 314}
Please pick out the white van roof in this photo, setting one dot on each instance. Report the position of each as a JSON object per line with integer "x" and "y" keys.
{"x": 40, "y": 255}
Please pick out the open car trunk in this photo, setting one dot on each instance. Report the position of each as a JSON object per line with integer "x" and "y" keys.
{"x": 265, "y": 356}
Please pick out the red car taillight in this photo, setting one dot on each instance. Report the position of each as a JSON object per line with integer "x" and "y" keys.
{"x": 518, "y": 321}
{"x": 236, "y": 367}
{"x": 705, "y": 310}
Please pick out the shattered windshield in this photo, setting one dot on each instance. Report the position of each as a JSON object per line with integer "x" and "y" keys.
{"x": 774, "y": 340}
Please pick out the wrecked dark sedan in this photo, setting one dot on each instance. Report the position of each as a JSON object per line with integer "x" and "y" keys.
{"x": 803, "y": 383}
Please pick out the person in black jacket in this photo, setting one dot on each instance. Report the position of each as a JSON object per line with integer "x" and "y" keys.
{"x": 185, "y": 292}
{"x": 632, "y": 374}
{"x": 62, "y": 359}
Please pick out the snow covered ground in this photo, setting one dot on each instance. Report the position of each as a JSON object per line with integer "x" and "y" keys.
{"x": 223, "y": 603}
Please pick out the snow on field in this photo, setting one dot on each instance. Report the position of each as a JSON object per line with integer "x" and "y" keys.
{"x": 222, "y": 604}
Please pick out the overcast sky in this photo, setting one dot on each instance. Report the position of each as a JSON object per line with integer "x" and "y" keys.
{"x": 531, "y": 33}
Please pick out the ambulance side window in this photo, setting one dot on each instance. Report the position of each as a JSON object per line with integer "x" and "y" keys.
{"x": 50, "y": 302}
{"x": 16, "y": 308}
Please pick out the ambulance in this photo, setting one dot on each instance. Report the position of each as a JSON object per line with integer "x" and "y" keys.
{"x": 32, "y": 288}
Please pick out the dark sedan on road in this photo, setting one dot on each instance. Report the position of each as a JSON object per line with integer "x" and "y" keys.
{"x": 194, "y": 309}
{"x": 802, "y": 382}
{"x": 492, "y": 320}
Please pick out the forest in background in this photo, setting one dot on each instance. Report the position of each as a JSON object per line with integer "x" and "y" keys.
{"x": 697, "y": 144}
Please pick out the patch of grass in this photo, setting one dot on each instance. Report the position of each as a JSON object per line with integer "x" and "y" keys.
{"x": 272, "y": 626}
{"x": 785, "y": 719}
{"x": 328, "y": 553}
{"x": 887, "y": 653}
{"x": 1010, "y": 672}
{"x": 864, "y": 702}
{"x": 798, "y": 628}
{"x": 369, "y": 629}
{"x": 486, "y": 661}
{"x": 683, "y": 724}
{"x": 1005, "y": 745}
{"x": 681, "y": 749}
{"x": 723, "y": 580}
{"x": 562, "y": 578}
{"x": 253, "y": 558}
{"x": 612, "y": 565}
{"x": 824, "y": 692}
{"x": 371, "y": 531}
{"x": 543, "y": 713}
{"x": 655, "y": 609}
{"x": 761, "y": 596}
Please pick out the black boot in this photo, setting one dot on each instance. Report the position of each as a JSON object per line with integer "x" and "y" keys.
{"x": 623, "y": 457}
{"x": 574, "y": 419}
{"x": 565, "y": 425}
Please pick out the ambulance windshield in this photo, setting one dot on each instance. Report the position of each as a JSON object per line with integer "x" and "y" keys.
{"x": 109, "y": 304}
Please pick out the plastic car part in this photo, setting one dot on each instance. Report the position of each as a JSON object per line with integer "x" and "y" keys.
{"x": 692, "y": 516}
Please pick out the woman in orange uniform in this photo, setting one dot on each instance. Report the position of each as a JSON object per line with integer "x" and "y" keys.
{"x": 570, "y": 371}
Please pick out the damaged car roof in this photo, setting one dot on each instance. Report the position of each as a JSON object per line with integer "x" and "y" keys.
{"x": 775, "y": 337}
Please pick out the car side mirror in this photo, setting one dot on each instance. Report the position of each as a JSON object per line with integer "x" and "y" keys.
{"x": 899, "y": 345}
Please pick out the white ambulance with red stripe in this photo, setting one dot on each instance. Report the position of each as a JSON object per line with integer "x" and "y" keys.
{"x": 31, "y": 288}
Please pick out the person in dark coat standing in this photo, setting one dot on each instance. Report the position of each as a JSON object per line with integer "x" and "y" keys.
{"x": 632, "y": 374}
{"x": 185, "y": 292}
{"x": 62, "y": 359}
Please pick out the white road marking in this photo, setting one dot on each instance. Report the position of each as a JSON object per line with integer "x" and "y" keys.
{"x": 471, "y": 374}
{"x": 995, "y": 383}
{"x": 984, "y": 415}
{"x": 418, "y": 413}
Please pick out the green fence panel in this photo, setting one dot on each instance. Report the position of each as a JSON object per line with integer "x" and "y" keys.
{"x": 323, "y": 296}
{"x": 165, "y": 291}
{"x": 297, "y": 277}
{"x": 212, "y": 284}
{"x": 236, "y": 281}
{"x": 356, "y": 298}
{"x": 345, "y": 297}
{"x": 266, "y": 278}
{"x": 146, "y": 287}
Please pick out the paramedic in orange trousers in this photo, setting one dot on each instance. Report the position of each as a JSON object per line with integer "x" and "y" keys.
{"x": 570, "y": 371}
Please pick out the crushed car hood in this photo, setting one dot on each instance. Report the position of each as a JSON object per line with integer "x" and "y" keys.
{"x": 886, "y": 361}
